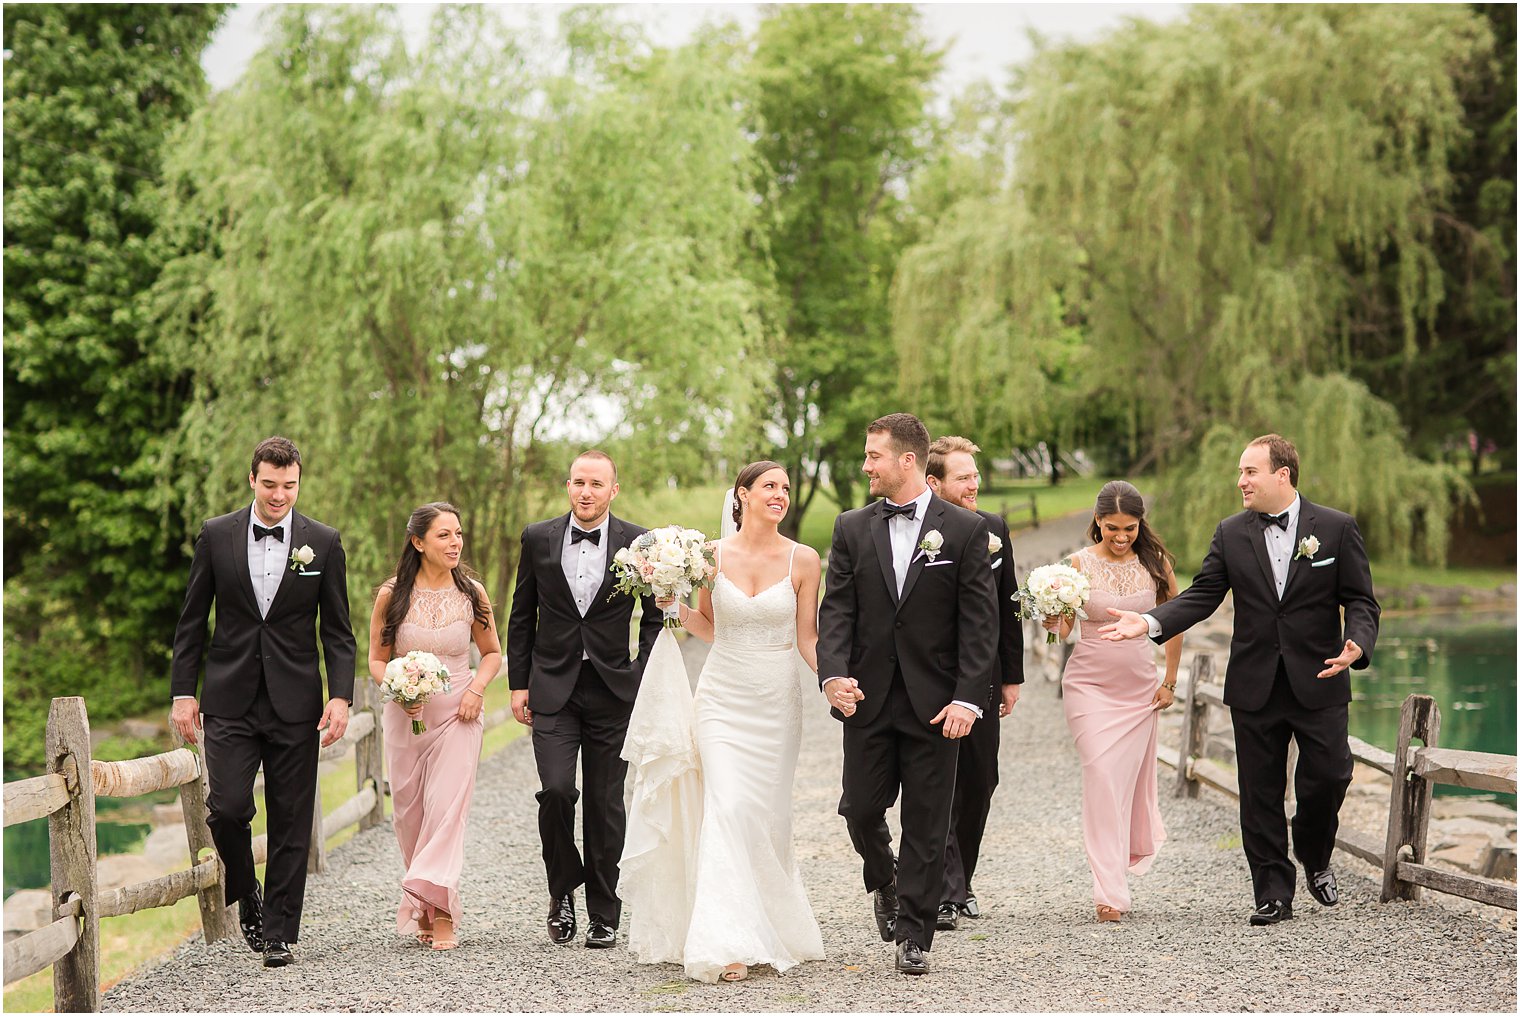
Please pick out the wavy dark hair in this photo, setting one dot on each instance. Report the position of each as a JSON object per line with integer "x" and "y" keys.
{"x": 1121, "y": 498}
{"x": 746, "y": 479}
{"x": 405, "y": 578}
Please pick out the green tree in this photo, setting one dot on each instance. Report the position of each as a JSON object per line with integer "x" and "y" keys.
{"x": 436, "y": 273}
{"x": 841, "y": 97}
{"x": 92, "y": 574}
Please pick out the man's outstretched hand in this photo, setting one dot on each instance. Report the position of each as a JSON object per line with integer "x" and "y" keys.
{"x": 1129, "y": 626}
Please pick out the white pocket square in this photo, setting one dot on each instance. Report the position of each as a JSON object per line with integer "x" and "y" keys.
{"x": 1321, "y": 564}
{"x": 317, "y": 572}
{"x": 998, "y": 563}
{"x": 936, "y": 564}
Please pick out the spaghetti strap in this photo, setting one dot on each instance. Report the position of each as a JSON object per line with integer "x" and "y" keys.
{"x": 790, "y": 558}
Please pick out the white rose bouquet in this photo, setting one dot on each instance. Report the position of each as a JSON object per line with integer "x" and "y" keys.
{"x": 1053, "y": 590}
{"x": 669, "y": 561}
{"x": 410, "y": 679}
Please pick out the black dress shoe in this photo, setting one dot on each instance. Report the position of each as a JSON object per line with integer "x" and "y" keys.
{"x": 1322, "y": 887}
{"x": 970, "y": 909}
{"x": 251, "y": 919}
{"x": 911, "y": 959}
{"x": 884, "y": 906}
{"x": 562, "y": 920}
{"x": 600, "y": 935}
{"x": 1272, "y": 911}
{"x": 277, "y": 954}
{"x": 948, "y": 917}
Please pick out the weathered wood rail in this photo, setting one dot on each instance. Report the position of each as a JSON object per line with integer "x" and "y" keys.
{"x": 71, "y": 944}
{"x": 1414, "y": 769}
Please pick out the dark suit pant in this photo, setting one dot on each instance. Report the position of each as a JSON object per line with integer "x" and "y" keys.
{"x": 233, "y": 750}
{"x": 897, "y": 749}
{"x": 976, "y": 777}
{"x": 593, "y": 724}
{"x": 1323, "y": 774}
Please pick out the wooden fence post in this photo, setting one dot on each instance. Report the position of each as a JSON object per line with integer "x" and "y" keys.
{"x": 1195, "y": 725}
{"x": 1290, "y": 789}
{"x": 217, "y": 922}
{"x": 1409, "y": 809}
{"x": 316, "y": 850}
{"x": 369, "y": 755}
{"x": 71, "y": 850}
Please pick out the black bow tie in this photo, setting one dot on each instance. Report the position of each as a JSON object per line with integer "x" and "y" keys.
{"x": 259, "y": 532}
{"x": 907, "y": 511}
{"x": 577, "y": 535}
{"x": 1280, "y": 521}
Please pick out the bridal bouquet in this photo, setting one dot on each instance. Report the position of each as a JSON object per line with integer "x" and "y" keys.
{"x": 1053, "y": 590}
{"x": 669, "y": 561}
{"x": 412, "y": 678}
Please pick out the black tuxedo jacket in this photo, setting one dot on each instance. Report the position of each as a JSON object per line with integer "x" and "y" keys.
{"x": 546, "y": 634}
{"x": 284, "y": 644}
{"x": 1304, "y": 628}
{"x": 942, "y": 632}
{"x": 1010, "y": 647}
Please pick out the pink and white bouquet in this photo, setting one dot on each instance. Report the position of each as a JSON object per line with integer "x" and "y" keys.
{"x": 410, "y": 679}
{"x": 1053, "y": 590}
{"x": 665, "y": 562}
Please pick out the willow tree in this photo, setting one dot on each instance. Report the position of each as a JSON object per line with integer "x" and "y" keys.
{"x": 1205, "y": 199}
{"x": 437, "y": 272}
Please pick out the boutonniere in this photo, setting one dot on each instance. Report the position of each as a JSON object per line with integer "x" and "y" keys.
{"x": 300, "y": 557}
{"x": 1307, "y": 547}
{"x": 993, "y": 543}
{"x": 931, "y": 543}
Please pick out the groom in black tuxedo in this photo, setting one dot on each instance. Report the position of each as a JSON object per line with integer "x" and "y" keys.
{"x": 952, "y": 475}
{"x": 907, "y": 647}
{"x": 274, "y": 575}
{"x": 1293, "y": 567}
{"x": 574, "y": 683}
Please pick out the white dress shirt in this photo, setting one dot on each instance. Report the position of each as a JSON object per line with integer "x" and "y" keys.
{"x": 267, "y": 560}
{"x": 585, "y": 565}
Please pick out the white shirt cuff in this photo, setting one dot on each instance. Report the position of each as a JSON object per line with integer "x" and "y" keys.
{"x": 190, "y": 697}
{"x": 968, "y": 705}
{"x": 1155, "y": 631}
{"x": 836, "y": 677}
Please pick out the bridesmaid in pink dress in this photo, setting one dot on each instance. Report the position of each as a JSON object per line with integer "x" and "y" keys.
{"x": 1112, "y": 698}
{"x": 433, "y": 604}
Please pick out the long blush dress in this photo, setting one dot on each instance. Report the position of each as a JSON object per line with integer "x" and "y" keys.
{"x": 432, "y": 774}
{"x": 1108, "y": 694}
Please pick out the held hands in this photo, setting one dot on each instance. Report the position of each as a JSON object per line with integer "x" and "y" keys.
{"x": 185, "y": 717}
{"x": 334, "y": 720}
{"x": 957, "y": 720}
{"x": 520, "y": 710}
{"x": 843, "y": 693}
{"x": 1333, "y": 666}
{"x": 1129, "y": 626}
{"x": 1010, "y": 699}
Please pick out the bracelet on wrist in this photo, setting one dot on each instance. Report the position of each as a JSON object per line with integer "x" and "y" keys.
{"x": 471, "y": 689}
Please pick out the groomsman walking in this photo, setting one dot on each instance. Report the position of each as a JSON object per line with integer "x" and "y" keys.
{"x": 1304, "y": 613}
{"x": 574, "y": 683}
{"x": 952, "y": 474}
{"x": 273, "y": 576}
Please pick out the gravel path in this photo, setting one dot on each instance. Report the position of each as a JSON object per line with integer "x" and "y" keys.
{"x": 1185, "y": 947}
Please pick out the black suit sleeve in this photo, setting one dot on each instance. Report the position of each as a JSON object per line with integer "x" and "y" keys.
{"x": 522, "y": 622}
{"x": 338, "y": 647}
{"x": 1355, "y": 594}
{"x": 1010, "y": 630}
{"x": 1200, "y": 599}
{"x": 836, "y": 615}
{"x": 194, "y": 616}
{"x": 976, "y": 617}
{"x": 650, "y": 625}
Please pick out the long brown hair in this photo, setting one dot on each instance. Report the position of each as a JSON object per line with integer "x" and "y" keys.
{"x": 746, "y": 479}
{"x": 405, "y": 578}
{"x": 1119, "y": 497}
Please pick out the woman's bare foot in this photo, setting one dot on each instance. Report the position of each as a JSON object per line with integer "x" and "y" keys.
{"x": 1107, "y": 913}
{"x": 424, "y": 930}
{"x": 735, "y": 972}
{"x": 443, "y": 933}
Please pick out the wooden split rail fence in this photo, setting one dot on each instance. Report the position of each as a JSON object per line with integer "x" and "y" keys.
{"x": 1414, "y": 768}
{"x": 66, "y": 794}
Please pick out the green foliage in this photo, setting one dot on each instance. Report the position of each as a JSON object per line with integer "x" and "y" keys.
{"x": 438, "y": 274}
{"x": 92, "y": 574}
{"x": 841, "y": 92}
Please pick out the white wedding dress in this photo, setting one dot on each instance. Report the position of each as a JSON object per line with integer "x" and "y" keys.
{"x": 709, "y": 876}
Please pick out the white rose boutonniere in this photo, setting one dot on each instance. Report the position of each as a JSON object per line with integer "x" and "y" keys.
{"x": 993, "y": 543}
{"x": 931, "y": 543}
{"x": 1307, "y": 547}
{"x": 300, "y": 557}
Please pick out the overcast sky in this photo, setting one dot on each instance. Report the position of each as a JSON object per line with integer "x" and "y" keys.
{"x": 983, "y": 39}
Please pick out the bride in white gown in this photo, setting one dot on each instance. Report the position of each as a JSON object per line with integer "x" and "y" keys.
{"x": 715, "y": 886}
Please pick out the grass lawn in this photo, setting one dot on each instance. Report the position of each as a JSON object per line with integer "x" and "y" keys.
{"x": 128, "y": 941}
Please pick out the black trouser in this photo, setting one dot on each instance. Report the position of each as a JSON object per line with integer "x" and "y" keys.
{"x": 1323, "y": 774}
{"x": 233, "y": 750}
{"x": 596, "y": 720}
{"x": 897, "y": 749}
{"x": 976, "y": 777}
